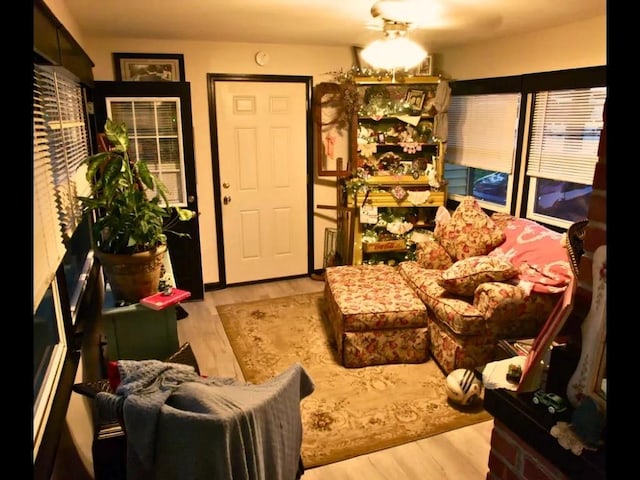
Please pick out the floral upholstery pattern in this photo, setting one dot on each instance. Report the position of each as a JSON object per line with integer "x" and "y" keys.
{"x": 459, "y": 351}
{"x": 431, "y": 254}
{"x": 375, "y": 316}
{"x": 380, "y": 347}
{"x": 465, "y": 275}
{"x": 501, "y": 303}
{"x": 469, "y": 232}
{"x": 457, "y": 313}
{"x": 463, "y": 331}
{"x": 469, "y": 288}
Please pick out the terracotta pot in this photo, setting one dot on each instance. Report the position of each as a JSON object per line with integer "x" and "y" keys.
{"x": 133, "y": 276}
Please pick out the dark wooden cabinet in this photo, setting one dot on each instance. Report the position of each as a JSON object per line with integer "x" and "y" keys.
{"x": 530, "y": 425}
{"x": 57, "y": 46}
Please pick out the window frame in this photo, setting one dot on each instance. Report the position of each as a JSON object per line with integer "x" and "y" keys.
{"x": 52, "y": 384}
{"x": 519, "y": 185}
{"x": 492, "y": 86}
{"x": 580, "y": 78}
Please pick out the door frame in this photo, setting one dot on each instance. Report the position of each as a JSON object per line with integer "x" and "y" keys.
{"x": 212, "y": 78}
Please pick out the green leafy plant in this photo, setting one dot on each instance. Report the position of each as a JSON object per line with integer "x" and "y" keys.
{"x": 132, "y": 211}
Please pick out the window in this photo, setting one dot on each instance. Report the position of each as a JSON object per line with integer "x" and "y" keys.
{"x": 49, "y": 351}
{"x": 563, "y": 152}
{"x": 62, "y": 145}
{"x": 481, "y": 145}
{"x": 65, "y": 126}
{"x": 547, "y": 125}
{"x": 61, "y": 237}
{"x": 155, "y": 134}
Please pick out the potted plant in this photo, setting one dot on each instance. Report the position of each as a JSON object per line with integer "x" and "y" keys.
{"x": 131, "y": 217}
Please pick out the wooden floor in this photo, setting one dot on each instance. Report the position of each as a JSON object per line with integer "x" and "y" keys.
{"x": 456, "y": 455}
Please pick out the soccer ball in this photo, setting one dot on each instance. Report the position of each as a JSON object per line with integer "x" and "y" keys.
{"x": 463, "y": 387}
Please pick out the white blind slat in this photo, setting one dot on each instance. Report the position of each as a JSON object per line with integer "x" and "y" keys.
{"x": 60, "y": 144}
{"x": 48, "y": 249}
{"x": 565, "y": 134}
{"x": 482, "y": 131}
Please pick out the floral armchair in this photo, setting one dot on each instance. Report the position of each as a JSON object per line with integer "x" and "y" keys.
{"x": 485, "y": 278}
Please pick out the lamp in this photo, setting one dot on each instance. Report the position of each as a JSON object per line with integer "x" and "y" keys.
{"x": 395, "y": 50}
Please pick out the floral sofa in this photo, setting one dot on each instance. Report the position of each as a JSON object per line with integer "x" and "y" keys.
{"x": 480, "y": 278}
{"x": 486, "y": 278}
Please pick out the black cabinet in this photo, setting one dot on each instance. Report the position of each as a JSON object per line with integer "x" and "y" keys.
{"x": 56, "y": 45}
{"x": 532, "y": 424}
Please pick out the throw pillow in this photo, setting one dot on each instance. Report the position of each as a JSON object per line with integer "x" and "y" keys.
{"x": 465, "y": 275}
{"x": 470, "y": 231}
{"x": 432, "y": 255}
{"x": 442, "y": 218}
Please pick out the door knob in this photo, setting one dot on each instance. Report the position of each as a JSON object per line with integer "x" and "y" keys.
{"x": 191, "y": 198}
{"x": 226, "y": 184}
{"x": 226, "y": 199}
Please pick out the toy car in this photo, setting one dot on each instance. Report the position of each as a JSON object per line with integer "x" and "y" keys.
{"x": 553, "y": 402}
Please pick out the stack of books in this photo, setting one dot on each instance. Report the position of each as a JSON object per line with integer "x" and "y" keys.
{"x": 522, "y": 346}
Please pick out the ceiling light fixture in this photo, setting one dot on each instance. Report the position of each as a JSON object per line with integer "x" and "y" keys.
{"x": 395, "y": 50}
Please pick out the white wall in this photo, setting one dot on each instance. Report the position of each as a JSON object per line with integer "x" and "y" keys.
{"x": 575, "y": 45}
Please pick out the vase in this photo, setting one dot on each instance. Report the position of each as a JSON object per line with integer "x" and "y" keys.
{"x": 133, "y": 276}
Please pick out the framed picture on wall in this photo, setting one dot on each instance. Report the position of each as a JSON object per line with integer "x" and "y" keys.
{"x": 149, "y": 67}
{"x": 425, "y": 69}
{"x": 358, "y": 61}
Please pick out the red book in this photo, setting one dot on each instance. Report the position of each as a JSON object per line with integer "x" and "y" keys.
{"x": 161, "y": 300}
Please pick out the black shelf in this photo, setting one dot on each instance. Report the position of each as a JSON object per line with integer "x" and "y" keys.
{"x": 533, "y": 423}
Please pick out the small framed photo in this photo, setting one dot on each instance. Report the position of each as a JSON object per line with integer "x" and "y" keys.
{"x": 425, "y": 69}
{"x": 149, "y": 67}
{"x": 415, "y": 99}
{"x": 358, "y": 61}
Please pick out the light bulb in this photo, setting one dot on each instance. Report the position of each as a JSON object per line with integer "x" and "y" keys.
{"x": 394, "y": 52}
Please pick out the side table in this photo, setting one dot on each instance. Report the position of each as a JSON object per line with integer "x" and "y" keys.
{"x": 136, "y": 332}
{"x": 525, "y": 427}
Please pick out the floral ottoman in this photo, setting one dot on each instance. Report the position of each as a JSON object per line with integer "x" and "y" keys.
{"x": 375, "y": 316}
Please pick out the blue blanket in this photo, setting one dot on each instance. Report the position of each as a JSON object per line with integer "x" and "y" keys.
{"x": 180, "y": 425}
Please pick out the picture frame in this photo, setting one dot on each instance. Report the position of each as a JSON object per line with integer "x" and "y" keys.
{"x": 148, "y": 67}
{"x": 425, "y": 69}
{"x": 415, "y": 99}
{"x": 358, "y": 61}
{"x": 533, "y": 368}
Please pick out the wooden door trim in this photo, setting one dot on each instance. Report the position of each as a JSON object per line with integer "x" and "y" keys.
{"x": 212, "y": 78}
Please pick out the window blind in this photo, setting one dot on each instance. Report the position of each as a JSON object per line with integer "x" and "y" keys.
{"x": 60, "y": 146}
{"x": 565, "y": 134}
{"x": 68, "y": 142}
{"x": 483, "y": 130}
{"x": 48, "y": 248}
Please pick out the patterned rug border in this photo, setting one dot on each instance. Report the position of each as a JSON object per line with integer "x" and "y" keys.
{"x": 228, "y": 311}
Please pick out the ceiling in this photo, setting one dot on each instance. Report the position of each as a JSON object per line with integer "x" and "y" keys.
{"x": 321, "y": 22}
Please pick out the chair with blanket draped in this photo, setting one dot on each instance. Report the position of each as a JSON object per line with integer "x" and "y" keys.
{"x": 179, "y": 424}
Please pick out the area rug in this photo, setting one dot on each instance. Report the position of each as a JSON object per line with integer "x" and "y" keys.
{"x": 351, "y": 411}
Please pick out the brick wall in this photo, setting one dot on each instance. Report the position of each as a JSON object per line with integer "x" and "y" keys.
{"x": 511, "y": 458}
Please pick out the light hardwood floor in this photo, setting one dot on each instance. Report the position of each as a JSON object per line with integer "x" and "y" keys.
{"x": 457, "y": 455}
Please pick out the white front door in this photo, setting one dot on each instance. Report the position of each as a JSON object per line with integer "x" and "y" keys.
{"x": 262, "y": 148}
